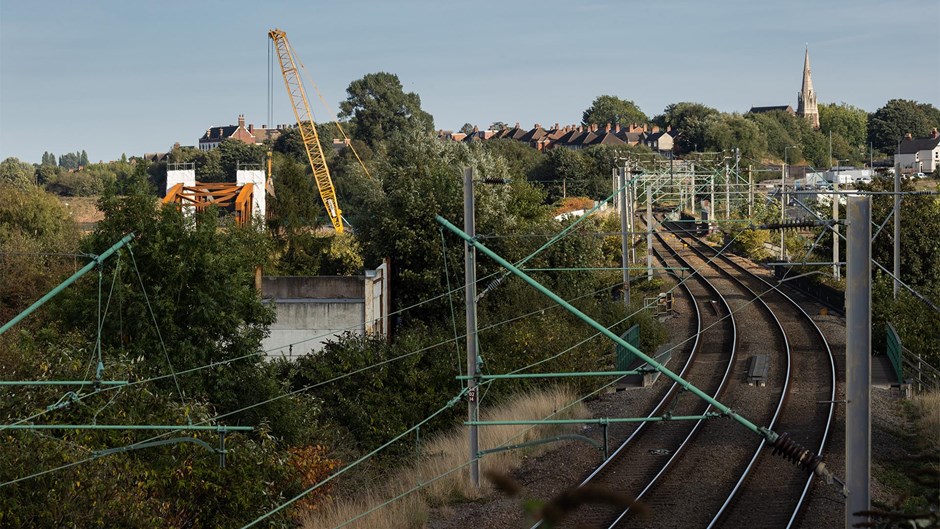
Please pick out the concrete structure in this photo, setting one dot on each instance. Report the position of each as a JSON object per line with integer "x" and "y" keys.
{"x": 806, "y": 103}
{"x": 253, "y": 174}
{"x": 921, "y": 155}
{"x": 180, "y": 173}
{"x": 314, "y": 310}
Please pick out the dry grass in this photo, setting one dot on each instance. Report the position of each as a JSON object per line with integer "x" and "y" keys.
{"x": 928, "y": 406}
{"x": 442, "y": 454}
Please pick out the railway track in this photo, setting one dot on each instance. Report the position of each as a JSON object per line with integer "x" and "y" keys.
{"x": 714, "y": 474}
{"x": 771, "y": 493}
{"x": 646, "y": 455}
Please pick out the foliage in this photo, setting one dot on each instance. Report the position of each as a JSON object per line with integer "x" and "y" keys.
{"x": 613, "y": 110}
{"x": 73, "y": 160}
{"x": 691, "y": 120}
{"x": 888, "y": 124}
{"x": 15, "y": 172}
{"x": 368, "y": 408}
{"x": 731, "y": 131}
{"x": 33, "y": 224}
{"x": 846, "y": 121}
{"x": 467, "y": 128}
{"x": 313, "y": 464}
{"x": 198, "y": 276}
{"x": 920, "y": 233}
{"x": 379, "y": 108}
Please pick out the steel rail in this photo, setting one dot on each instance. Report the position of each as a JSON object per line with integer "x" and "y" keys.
{"x": 664, "y": 403}
{"x": 721, "y": 387}
{"x": 820, "y": 450}
{"x": 783, "y": 393}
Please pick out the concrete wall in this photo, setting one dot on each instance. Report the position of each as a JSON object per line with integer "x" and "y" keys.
{"x": 314, "y": 310}
{"x": 259, "y": 194}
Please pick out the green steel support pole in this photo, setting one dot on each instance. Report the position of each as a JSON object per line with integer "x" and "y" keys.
{"x": 62, "y": 286}
{"x": 766, "y": 433}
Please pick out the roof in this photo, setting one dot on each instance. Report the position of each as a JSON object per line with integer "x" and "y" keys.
{"x": 607, "y": 138}
{"x": 218, "y": 133}
{"x": 919, "y": 144}
{"x": 760, "y": 110}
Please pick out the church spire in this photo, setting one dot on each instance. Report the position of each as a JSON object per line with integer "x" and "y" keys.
{"x": 806, "y": 106}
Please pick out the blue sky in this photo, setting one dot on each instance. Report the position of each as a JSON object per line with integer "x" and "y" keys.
{"x": 131, "y": 77}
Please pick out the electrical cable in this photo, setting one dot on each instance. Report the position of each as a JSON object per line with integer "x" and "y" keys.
{"x": 453, "y": 314}
{"x": 156, "y": 326}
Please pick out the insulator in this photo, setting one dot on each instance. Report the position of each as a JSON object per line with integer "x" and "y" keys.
{"x": 796, "y": 454}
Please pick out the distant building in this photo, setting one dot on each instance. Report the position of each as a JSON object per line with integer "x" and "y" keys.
{"x": 806, "y": 105}
{"x": 782, "y": 108}
{"x": 660, "y": 141}
{"x": 920, "y": 155}
{"x": 806, "y": 99}
{"x": 250, "y": 135}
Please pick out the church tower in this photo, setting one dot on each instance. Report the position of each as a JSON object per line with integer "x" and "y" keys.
{"x": 806, "y": 106}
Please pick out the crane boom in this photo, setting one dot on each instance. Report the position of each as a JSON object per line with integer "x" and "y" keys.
{"x": 308, "y": 129}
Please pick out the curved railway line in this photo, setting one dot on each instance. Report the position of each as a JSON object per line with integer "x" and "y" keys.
{"x": 712, "y": 473}
{"x": 646, "y": 455}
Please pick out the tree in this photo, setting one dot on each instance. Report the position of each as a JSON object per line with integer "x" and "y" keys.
{"x": 83, "y": 159}
{"x": 33, "y": 223}
{"x": 691, "y": 119}
{"x": 199, "y": 278}
{"x": 733, "y": 130}
{"x": 467, "y": 128}
{"x": 379, "y": 108}
{"x": 498, "y": 125}
{"x": 613, "y": 110}
{"x": 17, "y": 173}
{"x": 851, "y": 123}
{"x": 888, "y": 124}
{"x": 234, "y": 152}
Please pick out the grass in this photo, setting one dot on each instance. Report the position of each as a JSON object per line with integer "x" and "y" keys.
{"x": 437, "y": 457}
{"x": 926, "y": 411}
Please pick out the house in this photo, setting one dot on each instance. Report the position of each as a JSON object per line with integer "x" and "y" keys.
{"x": 661, "y": 140}
{"x": 920, "y": 155}
{"x": 250, "y": 135}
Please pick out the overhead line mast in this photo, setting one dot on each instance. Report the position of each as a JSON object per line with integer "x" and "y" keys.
{"x": 308, "y": 129}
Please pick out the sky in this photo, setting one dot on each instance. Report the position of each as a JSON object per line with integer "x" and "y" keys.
{"x": 113, "y": 77}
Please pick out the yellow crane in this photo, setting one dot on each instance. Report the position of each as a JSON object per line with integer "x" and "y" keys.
{"x": 308, "y": 129}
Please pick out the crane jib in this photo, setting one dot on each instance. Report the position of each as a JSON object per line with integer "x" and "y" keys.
{"x": 308, "y": 129}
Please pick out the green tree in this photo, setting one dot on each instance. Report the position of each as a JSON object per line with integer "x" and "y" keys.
{"x": 15, "y": 172}
{"x": 849, "y": 122}
{"x": 731, "y": 131}
{"x": 199, "y": 278}
{"x": 498, "y": 125}
{"x": 889, "y": 124}
{"x": 33, "y": 224}
{"x": 83, "y": 158}
{"x": 379, "y": 108}
{"x": 691, "y": 119}
{"x": 613, "y": 110}
{"x": 234, "y": 152}
{"x": 467, "y": 128}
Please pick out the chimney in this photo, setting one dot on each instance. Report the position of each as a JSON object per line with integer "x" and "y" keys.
{"x": 517, "y": 125}
{"x": 476, "y": 129}
{"x": 241, "y": 121}
{"x": 220, "y": 131}
{"x": 556, "y": 126}
{"x": 607, "y": 128}
{"x": 655, "y": 129}
{"x": 617, "y": 127}
{"x": 251, "y": 127}
{"x": 934, "y": 134}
